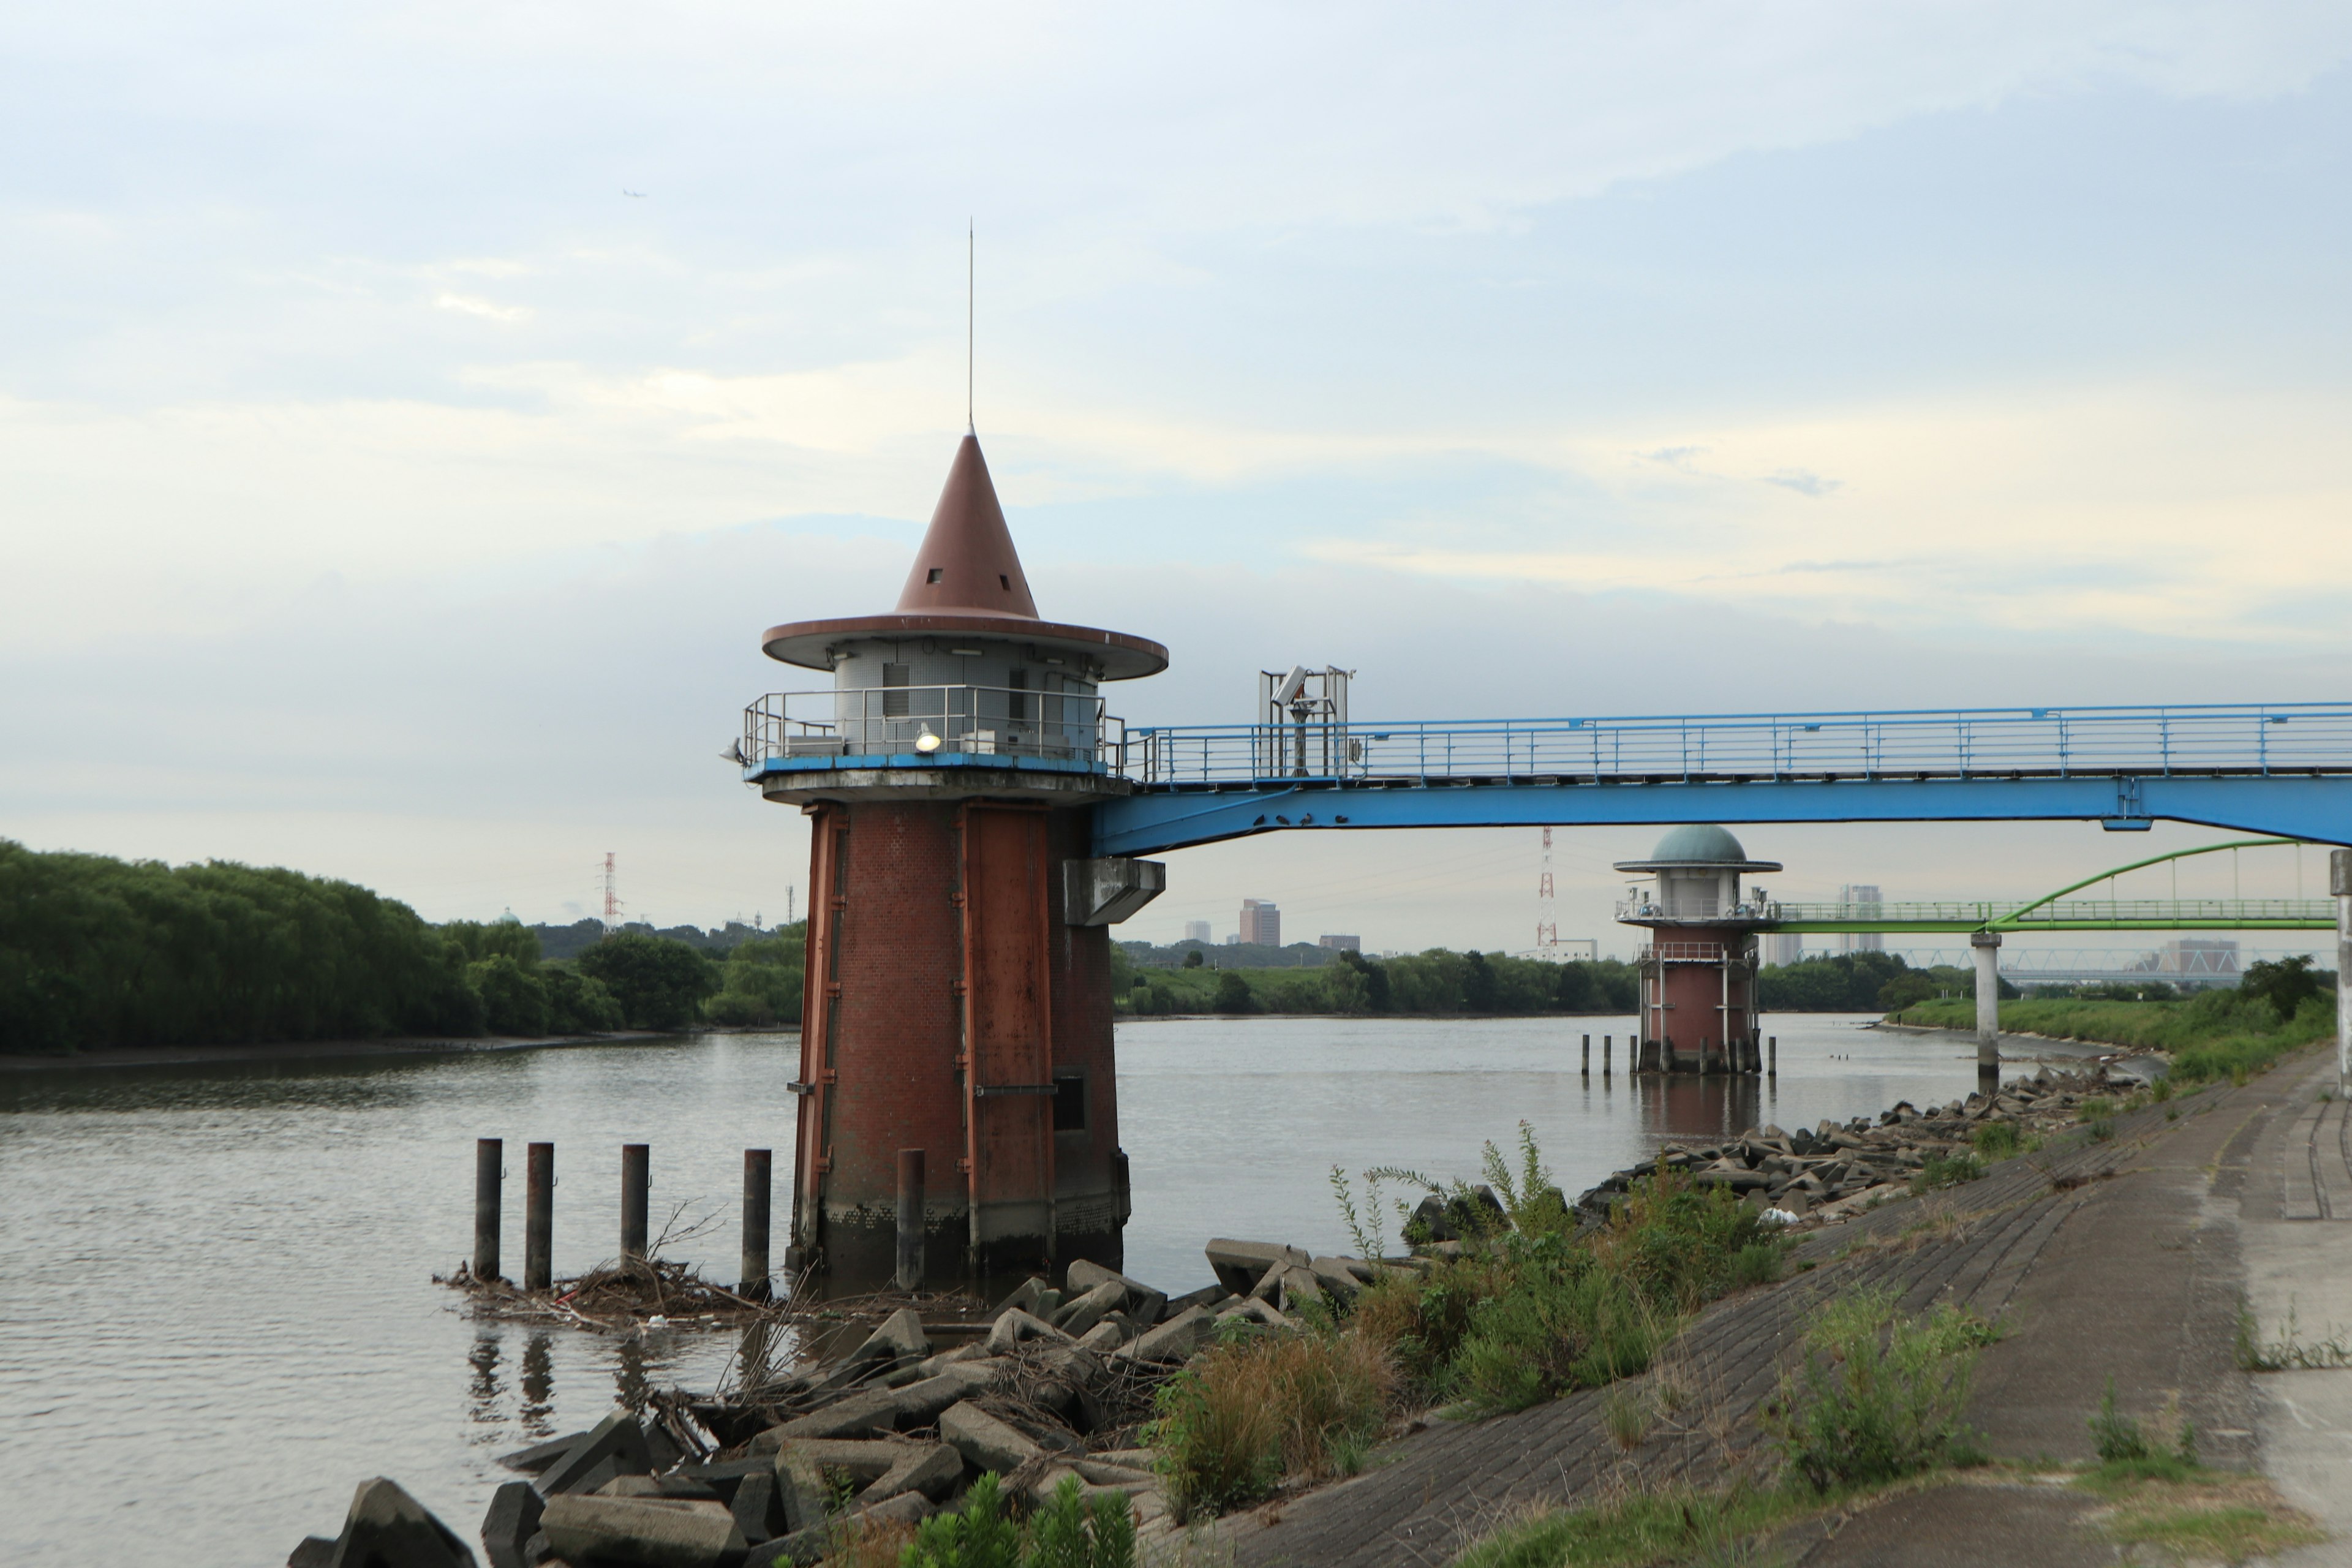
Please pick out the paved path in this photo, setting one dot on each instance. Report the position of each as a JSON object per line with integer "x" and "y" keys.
{"x": 2120, "y": 1259}
{"x": 2295, "y": 1230}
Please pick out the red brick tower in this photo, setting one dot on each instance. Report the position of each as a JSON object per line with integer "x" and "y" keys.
{"x": 958, "y": 958}
{"x": 1699, "y": 1007}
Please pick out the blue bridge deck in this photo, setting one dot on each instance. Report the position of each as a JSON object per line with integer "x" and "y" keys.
{"x": 2277, "y": 768}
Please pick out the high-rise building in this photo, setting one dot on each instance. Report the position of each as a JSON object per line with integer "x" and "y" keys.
{"x": 1196, "y": 930}
{"x": 1783, "y": 947}
{"x": 1862, "y": 900}
{"x": 1261, "y": 923}
{"x": 1342, "y": 943}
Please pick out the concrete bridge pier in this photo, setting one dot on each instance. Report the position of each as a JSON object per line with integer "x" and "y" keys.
{"x": 1987, "y": 946}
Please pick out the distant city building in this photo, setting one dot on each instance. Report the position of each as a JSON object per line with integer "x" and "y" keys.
{"x": 1862, "y": 900}
{"x": 1343, "y": 943}
{"x": 1233, "y": 939}
{"x": 1197, "y": 930}
{"x": 1261, "y": 923}
{"x": 1783, "y": 947}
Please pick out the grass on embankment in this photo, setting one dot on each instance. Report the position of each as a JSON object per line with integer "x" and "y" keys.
{"x": 1528, "y": 1307}
{"x": 2214, "y": 1035}
{"x": 1871, "y": 1409}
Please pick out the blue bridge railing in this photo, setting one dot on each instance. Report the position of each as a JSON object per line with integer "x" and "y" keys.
{"x": 1963, "y": 742}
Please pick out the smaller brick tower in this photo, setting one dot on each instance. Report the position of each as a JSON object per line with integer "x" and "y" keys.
{"x": 1699, "y": 1009}
{"x": 959, "y": 995}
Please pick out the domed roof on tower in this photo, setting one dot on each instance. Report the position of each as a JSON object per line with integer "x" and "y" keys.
{"x": 967, "y": 583}
{"x": 1698, "y": 845}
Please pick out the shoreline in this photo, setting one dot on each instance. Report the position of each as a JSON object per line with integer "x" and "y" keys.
{"x": 2123, "y": 1060}
{"x": 311, "y": 1050}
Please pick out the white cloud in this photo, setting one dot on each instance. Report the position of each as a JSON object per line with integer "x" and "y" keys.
{"x": 475, "y": 305}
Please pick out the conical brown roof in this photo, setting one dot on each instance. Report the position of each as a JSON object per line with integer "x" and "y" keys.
{"x": 967, "y": 584}
{"x": 967, "y": 560}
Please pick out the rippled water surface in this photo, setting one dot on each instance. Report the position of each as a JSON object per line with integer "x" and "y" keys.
{"x": 216, "y": 1310}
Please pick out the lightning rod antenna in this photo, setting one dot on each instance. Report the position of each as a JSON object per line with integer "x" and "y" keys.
{"x": 968, "y": 274}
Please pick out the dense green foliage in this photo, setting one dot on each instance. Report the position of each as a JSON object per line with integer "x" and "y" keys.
{"x": 1439, "y": 981}
{"x": 1068, "y": 1532}
{"x": 659, "y": 984}
{"x": 762, "y": 980}
{"x": 1861, "y": 982}
{"x": 2212, "y": 1035}
{"x": 98, "y": 952}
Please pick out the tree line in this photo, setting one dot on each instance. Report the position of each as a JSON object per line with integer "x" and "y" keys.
{"x": 98, "y": 952}
{"x": 1443, "y": 982}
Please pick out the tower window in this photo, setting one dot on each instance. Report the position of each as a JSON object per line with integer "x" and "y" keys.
{"x": 894, "y": 692}
{"x": 1069, "y": 1103}
{"x": 1016, "y": 705}
{"x": 934, "y": 575}
{"x": 1003, "y": 582}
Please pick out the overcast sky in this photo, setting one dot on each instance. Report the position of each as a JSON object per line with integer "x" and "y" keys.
{"x": 387, "y": 492}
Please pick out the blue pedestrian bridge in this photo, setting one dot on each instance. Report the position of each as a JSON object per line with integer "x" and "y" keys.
{"x": 2282, "y": 769}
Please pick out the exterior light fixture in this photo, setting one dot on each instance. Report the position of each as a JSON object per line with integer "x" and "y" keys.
{"x": 927, "y": 743}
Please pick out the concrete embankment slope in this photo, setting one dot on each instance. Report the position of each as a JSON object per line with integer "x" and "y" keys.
{"x": 2125, "y": 1259}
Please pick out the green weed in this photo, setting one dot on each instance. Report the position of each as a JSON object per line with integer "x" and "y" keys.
{"x": 1996, "y": 1139}
{"x": 2288, "y": 1353}
{"x": 1877, "y": 1395}
{"x": 1946, "y": 1170}
{"x": 1066, "y": 1532}
{"x": 1679, "y": 1524}
{"x": 1250, "y": 1410}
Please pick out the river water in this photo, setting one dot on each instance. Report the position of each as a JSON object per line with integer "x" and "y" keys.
{"x": 216, "y": 1306}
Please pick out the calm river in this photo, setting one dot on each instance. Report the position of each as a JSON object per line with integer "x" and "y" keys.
{"x": 216, "y": 1312}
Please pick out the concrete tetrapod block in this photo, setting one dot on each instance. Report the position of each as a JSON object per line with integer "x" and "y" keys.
{"x": 660, "y": 1532}
{"x": 933, "y": 1470}
{"x": 508, "y": 1527}
{"x": 1239, "y": 1265}
{"x": 1087, "y": 1310}
{"x": 1342, "y": 1276}
{"x": 919, "y": 1403}
{"x": 904, "y": 1508}
{"x": 539, "y": 1456}
{"x": 1015, "y": 1326}
{"x": 1256, "y": 1311}
{"x": 1284, "y": 1288}
{"x": 312, "y": 1552}
{"x": 862, "y": 1460}
{"x": 1144, "y": 1304}
{"x": 386, "y": 1527}
{"x": 1104, "y": 1337}
{"x": 801, "y": 1491}
{"x": 617, "y": 1439}
{"x": 1206, "y": 1296}
{"x": 758, "y": 1514}
{"x": 901, "y": 1334}
{"x": 859, "y": 1416}
{"x": 985, "y": 1442}
{"x": 1023, "y": 1297}
{"x": 1176, "y": 1339}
